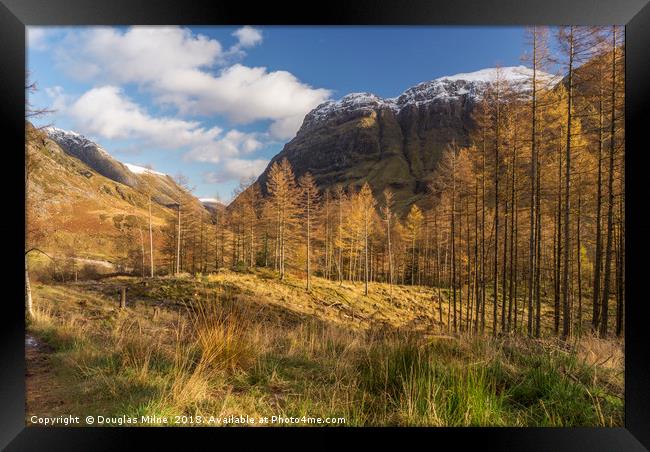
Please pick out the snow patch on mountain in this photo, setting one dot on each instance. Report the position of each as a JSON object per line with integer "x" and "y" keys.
{"x": 350, "y": 102}
{"x": 142, "y": 170}
{"x": 445, "y": 88}
{"x": 510, "y": 74}
{"x": 73, "y": 140}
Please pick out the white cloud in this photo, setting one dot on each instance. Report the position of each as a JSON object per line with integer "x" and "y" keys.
{"x": 107, "y": 112}
{"x": 248, "y": 36}
{"x": 140, "y": 54}
{"x": 245, "y": 95}
{"x": 36, "y": 38}
{"x": 236, "y": 169}
{"x": 175, "y": 65}
{"x": 233, "y": 143}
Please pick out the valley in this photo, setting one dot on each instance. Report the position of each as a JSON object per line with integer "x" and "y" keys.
{"x": 450, "y": 256}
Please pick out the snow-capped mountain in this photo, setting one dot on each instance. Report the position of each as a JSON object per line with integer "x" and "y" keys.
{"x": 74, "y": 141}
{"x": 92, "y": 154}
{"x": 394, "y": 142}
{"x": 443, "y": 89}
{"x": 96, "y": 156}
{"x": 165, "y": 190}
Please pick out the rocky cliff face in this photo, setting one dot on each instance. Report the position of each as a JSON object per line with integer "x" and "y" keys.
{"x": 394, "y": 142}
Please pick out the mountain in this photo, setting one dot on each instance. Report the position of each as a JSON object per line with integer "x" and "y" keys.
{"x": 84, "y": 202}
{"x": 164, "y": 189}
{"x": 212, "y": 204}
{"x": 393, "y": 142}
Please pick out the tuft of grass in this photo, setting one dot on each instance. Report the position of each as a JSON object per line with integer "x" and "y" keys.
{"x": 223, "y": 334}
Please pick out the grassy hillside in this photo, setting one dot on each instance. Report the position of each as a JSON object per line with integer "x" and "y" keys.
{"x": 236, "y": 344}
{"x": 74, "y": 210}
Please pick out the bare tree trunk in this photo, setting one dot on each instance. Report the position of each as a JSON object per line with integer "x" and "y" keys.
{"x": 513, "y": 220}
{"x": 438, "y": 282}
{"x": 29, "y": 310}
{"x": 453, "y": 238}
{"x": 610, "y": 204}
{"x": 201, "y": 262}
{"x": 390, "y": 256}
{"x": 620, "y": 269}
{"x": 460, "y": 270}
{"x": 578, "y": 263}
{"x": 477, "y": 301}
{"x": 566, "y": 314}
{"x": 142, "y": 248}
{"x": 340, "y": 226}
{"x": 150, "y": 240}
{"x": 495, "y": 286}
{"x": 556, "y": 294}
{"x": 504, "y": 267}
{"x": 365, "y": 236}
{"x": 178, "y": 241}
{"x": 599, "y": 247}
{"x": 483, "y": 260}
{"x": 308, "y": 242}
{"x": 327, "y": 235}
{"x": 533, "y": 174}
{"x": 468, "y": 322}
{"x": 449, "y": 282}
{"x": 538, "y": 255}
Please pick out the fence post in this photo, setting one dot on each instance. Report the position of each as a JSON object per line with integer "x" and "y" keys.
{"x": 123, "y": 298}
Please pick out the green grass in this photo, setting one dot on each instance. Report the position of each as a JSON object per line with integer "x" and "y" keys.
{"x": 221, "y": 350}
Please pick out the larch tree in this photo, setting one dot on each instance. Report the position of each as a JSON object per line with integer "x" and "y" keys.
{"x": 367, "y": 204}
{"x": 414, "y": 221}
{"x": 340, "y": 201}
{"x": 281, "y": 187}
{"x": 309, "y": 195}
{"x": 610, "y": 187}
{"x": 539, "y": 60}
{"x": 387, "y": 211}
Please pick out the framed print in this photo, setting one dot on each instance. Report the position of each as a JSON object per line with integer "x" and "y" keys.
{"x": 378, "y": 217}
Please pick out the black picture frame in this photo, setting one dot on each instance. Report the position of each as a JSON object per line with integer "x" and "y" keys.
{"x": 634, "y": 14}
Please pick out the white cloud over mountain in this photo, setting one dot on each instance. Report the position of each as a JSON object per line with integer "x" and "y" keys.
{"x": 106, "y": 112}
{"x": 190, "y": 72}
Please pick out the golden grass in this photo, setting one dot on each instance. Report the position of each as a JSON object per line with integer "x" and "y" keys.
{"x": 244, "y": 344}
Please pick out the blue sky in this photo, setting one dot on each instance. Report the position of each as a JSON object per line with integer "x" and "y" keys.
{"x": 216, "y": 103}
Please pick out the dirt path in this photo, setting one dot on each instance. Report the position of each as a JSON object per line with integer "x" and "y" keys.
{"x": 40, "y": 386}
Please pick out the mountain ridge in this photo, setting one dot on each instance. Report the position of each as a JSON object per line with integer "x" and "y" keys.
{"x": 163, "y": 188}
{"x": 394, "y": 142}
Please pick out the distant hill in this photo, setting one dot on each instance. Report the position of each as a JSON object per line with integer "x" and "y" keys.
{"x": 212, "y": 204}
